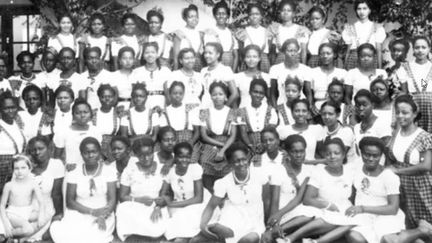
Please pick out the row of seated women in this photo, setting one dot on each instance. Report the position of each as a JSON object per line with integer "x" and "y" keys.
{"x": 269, "y": 38}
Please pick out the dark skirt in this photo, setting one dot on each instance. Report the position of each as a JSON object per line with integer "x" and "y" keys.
{"x": 106, "y": 147}
{"x": 207, "y": 155}
{"x": 424, "y": 101}
{"x": 265, "y": 63}
{"x": 198, "y": 63}
{"x": 228, "y": 59}
{"x": 5, "y": 169}
{"x": 313, "y": 61}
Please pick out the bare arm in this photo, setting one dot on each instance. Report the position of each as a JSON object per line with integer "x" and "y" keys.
{"x": 197, "y": 199}
{"x": 379, "y": 54}
{"x": 58, "y": 152}
{"x": 208, "y": 211}
{"x": 311, "y": 198}
{"x": 207, "y": 139}
{"x": 235, "y": 61}
{"x": 125, "y": 196}
{"x": 244, "y": 135}
{"x": 303, "y": 53}
{"x": 176, "y": 50}
{"x": 3, "y": 202}
{"x": 234, "y": 95}
{"x": 348, "y": 94}
{"x": 196, "y": 134}
{"x": 57, "y": 196}
{"x": 390, "y": 209}
{"x": 422, "y": 167}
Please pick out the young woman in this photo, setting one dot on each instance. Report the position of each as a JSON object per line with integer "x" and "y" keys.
{"x": 223, "y": 35}
{"x": 155, "y": 19}
{"x": 382, "y": 102}
{"x": 293, "y": 89}
{"x": 154, "y": 76}
{"x": 17, "y": 83}
{"x": 324, "y": 74}
{"x": 256, "y": 115}
{"x": 293, "y": 177}
{"x": 416, "y": 76}
{"x": 189, "y": 37}
{"x": 125, "y": 77}
{"x": 327, "y": 195}
{"x": 252, "y": 58}
{"x": 218, "y": 132}
{"x": 141, "y": 210}
{"x": 11, "y": 135}
{"x": 65, "y": 36}
{"x": 4, "y": 82}
{"x": 106, "y": 118}
{"x": 67, "y": 141}
{"x": 256, "y": 34}
{"x": 34, "y": 121}
{"x": 121, "y": 152}
{"x": 301, "y": 112}
{"x": 129, "y": 38}
{"x": 242, "y": 217}
{"x": 377, "y": 197}
{"x": 336, "y": 94}
{"x": 287, "y": 29}
{"x": 186, "y": 206}
{"x": 290, "y": 67}
{"x": 95, "y": 38}
{"x": 68, "y": 75}
{"x": 63, "y": 113}
{"x": 48, "y": 173}
{"x": 363, "y": 31}
{"x": 165, "y": 155}
{"x": 410, "y": 157}
{"x": 217, "y": 72}
{"x": 140, "y": 120}
{"x": 192, "y": 80}
{"x": 90, "y": 198}
{"x": 361, "y": 77}
{"x": 369, "y": 124}
{"x": 46, "y": 79}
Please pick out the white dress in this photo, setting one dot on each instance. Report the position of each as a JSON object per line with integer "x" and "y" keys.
{"x": 185, "y": 222}
{"x": 154, "y": 82}
{"x": 60, "y": 41}
{"x": 257, "y": 36}
{"x": 101, "y": 42}
{"x": 124, "y": 85}
{"x": 75, "y": 82}
{"x": 165, "y": 45}
{"x": 179, "y": 118}
{"x": 78, "y": 227}
{"x": 346, "y": 134}
{"x": 317, "y": 38}
{"x": 45, "y": 79}
{"x": 133, "y": 218}
{"x": 311, "y": 135}
{"x": 12, "y": 139}
{"x": 359, "y": 33}
{"x": 93, "y": 84}
{"x": 140, "y": 123}
{"x": 242, "y": 82}
{"x": 194, "y": 86}
{"x": 379, "y": 129}
{"x": 192, "y": 39}
{"x": 62, "y": 120}
{"x": 373, "y": 191}
{"x": 243, "y": 209}
{"x": 33, "y": 124}
{"x": 359, "y": 80}
{"x": 220, "y": 73}
{"x": 419, "y": 72}
{"x": 122, "y": 41}
{"x": 320, "y": 82}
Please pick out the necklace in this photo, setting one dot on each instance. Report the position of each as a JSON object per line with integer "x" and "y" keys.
{"x": 33, "y": 76}
{"x": 335, "y": 131}
{"x": 242, "y": 184}
{"x": 95, "y": 173}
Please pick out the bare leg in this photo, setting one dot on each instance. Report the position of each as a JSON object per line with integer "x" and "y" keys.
{"x": 250, "y": 238}
{"x": 181, "y": 240}
{"x": 221, "y": 231}
{"x": 21, "y": 227}
{"x": 314, "y": 226}
{"x": 355, "y": 237}
{"x": 295, "y": 223}
{"x": 423, "y": 233}
{"x": 335, "y": 234}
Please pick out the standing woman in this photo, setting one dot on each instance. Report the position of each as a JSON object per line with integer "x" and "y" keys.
{"x": 68, "y": 75}
{"x": 95, "y": 38}
{"x": 223, "y": 35}
{"x": 251, "y": 58}
{"x": 90, "y": 199}
{"x": 106, "y": 118}
{"x": 48, "y": 77}
{"x": 416, "y": 76}
{"x": 287, "y": 29}
{"x": 363, "y": 31}
{"x": 382, "y": 102}
{"x": 155, "y": 20}
{"x": 336, "y": 94}
{"x": 410, "y": 157}
{"x": 192, "y": 80}
{"x": 140, "y": 120}
{"x": 129, "y": 38}
{"x": 189, "y": 37}
{"x": 64, "y": 97}
{"x": 154, "y": 76}
{"x": 65, "y": 36}
{"x": 25, "y": 61}
{"x": 11, "y": 135}
{"x": 218, "y": 132}
{"x": 217, "y": 72}
{"x": 125, "y": 77}
{"x": 49, "y": 174}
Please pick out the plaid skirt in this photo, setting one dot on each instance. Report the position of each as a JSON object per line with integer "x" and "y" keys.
{"x": 424, "y": 101}
{"x": 313, "y": 61}
{"x": 352, "y": 60}
{"x": 106, "y": 147}
{"x": 227, "y": 58}
{"x": 206, "y": 159}
{"x": 265, "y": 63}
{"x": 5, "y": 169}
{"x": 198, "y": 63}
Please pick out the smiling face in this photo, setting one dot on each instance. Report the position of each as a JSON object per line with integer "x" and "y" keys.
{"x": 371, "y": 156}
{"x": 129, "y": 26}
{"x": 405, "y": 114}
{"x": 240, "y": 162}
{"x": 139, "y": 97}
{"x": 221, "y": 16}
{"x": 183, "y": 158}
{"x": 218, "y": 96}
{"x": 150, "y": 54}
{"x": 335, "y": 155}
{"x": 257, "y": 94}
{"x": 26, "y": 65}
{"x": 252, "y": 58}
{"x": 270, "y": 142}
{"x": 192, "y": 18}
{"x": 66, "y": 25}
{"x": 421, "y": 49}
{"x": 255, "y": 16}
{"x": 300, "y": 113}
{"x": 187, "y": 60}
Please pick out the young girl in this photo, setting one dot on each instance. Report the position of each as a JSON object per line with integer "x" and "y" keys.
{"x": 140, "y": 120}
{"x": 129, "y": 38}
{"x": 154, "y": 76}
{"x": 217, "y": 72}
{"x": 192, "y": 80}
{"x": 361, "y": 32}
{"x": 336, "y": 94}
{"x": 165, "y": 155}
{"x": 256, "y": 115}
{"x": 125, "y": 77}
{"x": 252, "y": 58}
{"x": 223, "y": 35}
{"x": 65, "y": 36}
{"x": 95, "y": 38}
{"x": 155, "y": 19}
{"x": 292, "y": 92}
{"x": 287, "y": 29}
{"x": 33, "y": 120}
{"x": 62, "y": 114}
{"x": 16, "y": 210}
{"x": 361, "y": 77}
{"x": 300, "y": 113}
{"x": 189, "y": 37}
{"x": 17, "y": 83}
{"x": 382, "y": 102}
{"x": 290, "y": 67}
{"x": 106, "y": 118}
{"x": 256, "y": 34}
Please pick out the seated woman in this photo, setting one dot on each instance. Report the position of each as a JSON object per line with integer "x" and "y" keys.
{"x": 121, "y": 152}
{"x": 293, "y": 176}
{"x": 256, "y": 115}
{"x": 185, "y": 208}
{"x": 327, "y": 194}
{"x": 49, "y": 174}
{"x": 377, "y": 197}
{"x": 64, "y": 97}
{"x": 140, "y": 210}
{"x": 242, "y": 217}
{"x": 90, "y": 199}
{"x": 166, "y": 139}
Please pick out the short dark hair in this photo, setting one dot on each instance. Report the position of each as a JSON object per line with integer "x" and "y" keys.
{"x": 291, "y": 140}
{"x": 221, "y": 4}
{"x": 89, "y": 140}
{"x": 145, "y": 141}
{"x": 81, "y": 102}
{"x": 104, "y": 87}
{"x": 372, "y": 141}
{"x": 30, "y": 88}
{"x": 219, "y": 84}
{"x": 164, "y": 130}
{"x": 182, "y": 145}
{"x": 7, "y": 95}
{"x": 21, "y": 55}
{"x": 127, "y": 16}
{"x": 333, "y": 104}
{"x": 122, "y": 139}
{"x": 237, "y": 146}
{"x": 88, "y": 50}
{"x": 176, "y": 84}
{"x": 153, "y": 13}
{"x": 185, "y": 11}
{"x": 64, "y": 88}
{"x": 270, "y": 129}
{"x": 217, "y": 46}
{"x": 300, "y": 101}
{"x": 260, "y": 82}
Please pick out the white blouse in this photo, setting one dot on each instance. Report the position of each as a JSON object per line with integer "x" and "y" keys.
{"x": 220, "y": 73}
{"x": 222, "y": 36}
{"x": 154, "y": 81}
{"x": 217, "y": 119}
{"x": 257, "y": 116}
{"x": 192, "y": 39}
{"x": 257, "y": 36}
{"x": 123, "y": 41}
{"x": 367, "y": 32}
{"x": 177, "y": 118}
{"x": 194, "y": 85}
{"x": 31, "y": 124}
{"x": 317, "y": 38}
{"x": 401, "y": 145}
{"x": 140, "y": 121}
{"x": 12, "y": 142}
{"x": 360, "y": 81}
{"x": 164, "y": 44}
{"x": 183, "y": 186}
{"x": 243, "y": 81}
{"x": 93, "y": 84}
{"x": 321, "y": 80}
{"x": 420, "y": 72}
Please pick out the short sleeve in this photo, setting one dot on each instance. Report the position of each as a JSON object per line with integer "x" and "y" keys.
{"x": 276, "y": 175}
{"x": 401, "y": 75}
{"x": 426, "y": 142}
{"x": 307, "y": 73}
{"x": 383, "y": 130}
{"x": 315, "y": 177}
{"x": 228, "y": 75}
{"x": 220, "y": 188}
{"x": 73, "y": 177}
{"x": 380, "y": 33}
{"x": 124, "y": 121}
{"x": 304, "y": 34}
{"x": 57, "y": 168}
{"x": 273, "y": 117}
{"x": 155, "y": 119}
{"x": 197, "y": 172}
{"x": 59, "y": 139}
{"x": 163, "y": 121}
{"x": 194, "y": 117}
{"x": 347, "y": 136}
{"x": 110, "y": 174}
{"x": 126, "y": 177}
{"x": 346, "y": 34}
{"x": 391, "y": 183}
{"x": 350, "y": 77}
